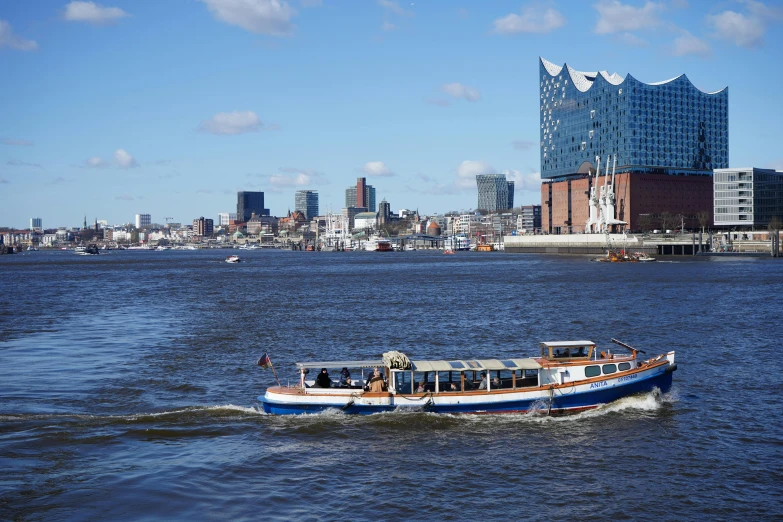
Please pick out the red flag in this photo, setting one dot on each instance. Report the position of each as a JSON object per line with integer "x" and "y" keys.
{"x": 264, "y": 362}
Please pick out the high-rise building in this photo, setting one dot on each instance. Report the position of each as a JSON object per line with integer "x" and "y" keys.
{"x": 202, "y": 227}
{"x": 662, "y": 140}
{"x": 306, "y": 202}
{"x": 360, "y": 196}
{"x": 384, "y": 212}
{"x": 143, "y": 220}
{"x": 249, "y": 203}
{"x": 493, "y": 192}
{"x": 510, "y": 194}
{"x": 36, "y": 224}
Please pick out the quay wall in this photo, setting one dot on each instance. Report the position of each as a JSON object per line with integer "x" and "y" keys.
{"x": 597, "y": 244}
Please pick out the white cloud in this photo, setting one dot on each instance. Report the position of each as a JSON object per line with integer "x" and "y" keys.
{"x": 458, "y": 90}
{"x": 632, "y": 40}
{"x": 9, "y": 39}
{"x": 377, "y": 169}
{"x": 19, "y": 143}
{"x": 686, "y": 44}
{"x": 533, "y": 19}
{"x": 93, "y": 13}
{"x": 231, "y": 123}
{"x": 124, "y": 197}
{"x": 744, "y": 30}
{"x": 296, "y": 177}
{"x": 530, "y": 181}
{"x": 388, "y": 26}
{"x": 271, "y": 17}
{"x": 394, "y": 7}
{"x": 467, "y": 170}
{"x": 124, "y": 160}
{"x": 96, "y": 163}
{"x": 615, "y": 17}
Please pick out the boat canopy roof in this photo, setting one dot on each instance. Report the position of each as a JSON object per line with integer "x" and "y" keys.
{"x": 434, "y": 366}
{"x": 481, "y": 364}
{"x": 564, "y": 344}
{"x": 372, "y": 363}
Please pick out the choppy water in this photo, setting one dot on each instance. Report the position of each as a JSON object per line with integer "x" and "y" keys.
{"x": 128, "y": 386}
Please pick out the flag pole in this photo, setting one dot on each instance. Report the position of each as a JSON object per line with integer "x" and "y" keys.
{"x": 273, "y": 370}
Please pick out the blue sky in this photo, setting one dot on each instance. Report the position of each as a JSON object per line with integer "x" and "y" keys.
{"x": 171, "y": 107}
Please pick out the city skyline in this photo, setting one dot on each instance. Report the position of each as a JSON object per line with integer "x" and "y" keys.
{"x": 111, "y": 109}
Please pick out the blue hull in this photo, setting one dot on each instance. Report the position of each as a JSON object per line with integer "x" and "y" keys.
{"x": 564, "y": 403}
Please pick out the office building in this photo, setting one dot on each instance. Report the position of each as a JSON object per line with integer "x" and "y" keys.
{"x": 249, "y": 203}
{"x": 494, "y": 192}
{"x": 747, "y": 197}
{"x": 361, "y": 196}
{"x": 36, "y": 224}
{"x": 225, "y": 218}
{"x": 350, "y": 213}
{"x": 662, "y": 139}
{"x": 143, "y": 220}
{"x": 529, "y": 219}
{"x": 202, "y": 227}
{"x": 384, "y": 212}
{"x": 306, "y": 202}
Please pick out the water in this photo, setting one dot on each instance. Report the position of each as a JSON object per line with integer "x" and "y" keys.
{"x": 128, "y": 388}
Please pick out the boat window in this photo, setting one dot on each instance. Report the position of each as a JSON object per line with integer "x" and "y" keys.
{"x": 624, "y": 366}
{"x": 424, "y": 379}
{"x": 527, "y": 378}
{"x": 446, "y": 379}
{"x": 593, "y": 371}
{"x": 456, "y": 364}
{"x": 402, "y": 382}
{"x": 503, "y": 379}
{"x": 609, "y": 368}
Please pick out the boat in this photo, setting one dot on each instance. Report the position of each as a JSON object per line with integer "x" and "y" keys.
{"x": 485, "y": 248}
{"x": 233, "y": 259}
{"x": 449, "y": 250}
{"x": 90, "y": 250}
{"x": 378, "y": 244}
{"x": 643, "y": 257}
{"x": 567, "y": 377}
{"x": 410, "y": 247}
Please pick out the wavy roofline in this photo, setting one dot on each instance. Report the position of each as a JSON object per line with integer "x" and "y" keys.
{"x": 583, "y": 81}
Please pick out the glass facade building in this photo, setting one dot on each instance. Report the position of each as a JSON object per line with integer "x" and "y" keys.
{"x": 351, "y": 199}
{"x": 494, "y": 192}
{"x": 249, "y": 203}
{"x": 747, "y": 197}
{"x": 306, "y": 202}
{"x": 668, "y": 127}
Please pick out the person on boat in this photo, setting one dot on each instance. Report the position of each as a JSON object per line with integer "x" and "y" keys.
{"x": 483, "y": 384}
{"x": 344, "y": 375}
{"x": 345, "y": 383}
{"x": 496, "y": 383}
{"x": 420, "y": 388}
{"x": 323, "y": 380}
{"x": 305, "y": 371}
{"x": 376, "y": 381}
{"x": 453, "y": 387}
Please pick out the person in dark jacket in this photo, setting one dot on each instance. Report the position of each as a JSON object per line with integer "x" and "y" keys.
{"x": 323, "y": 380}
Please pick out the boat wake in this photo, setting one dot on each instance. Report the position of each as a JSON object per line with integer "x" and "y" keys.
{"x": 188, "y": 413}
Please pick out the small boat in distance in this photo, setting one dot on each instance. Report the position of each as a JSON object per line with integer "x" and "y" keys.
{"x": 233, "y": 259}
{"x": 567, "y": 377}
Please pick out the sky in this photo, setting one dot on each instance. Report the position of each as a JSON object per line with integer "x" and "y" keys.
{"x": 171, "y": 107}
